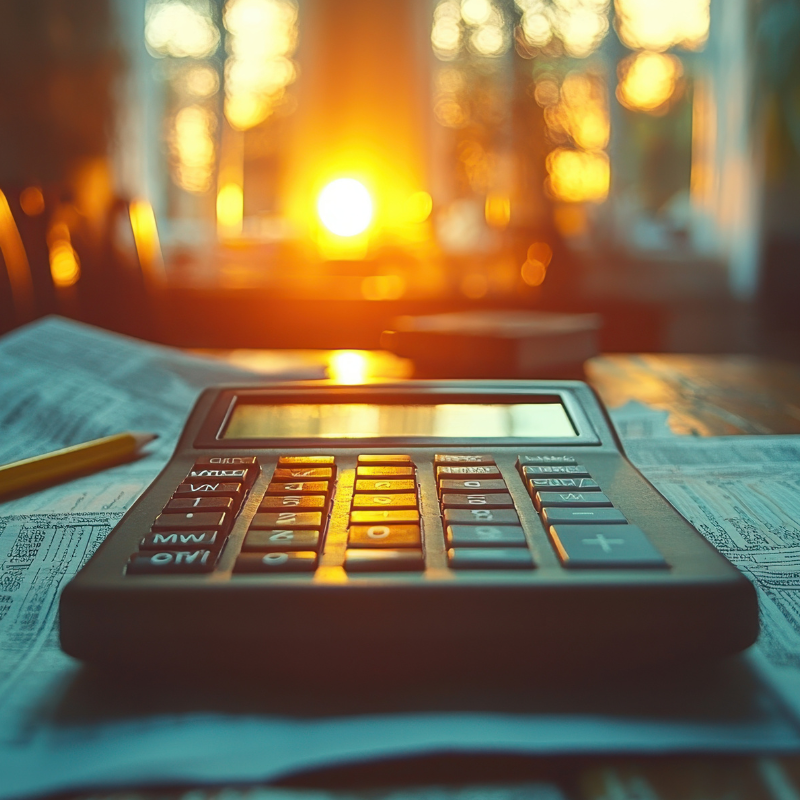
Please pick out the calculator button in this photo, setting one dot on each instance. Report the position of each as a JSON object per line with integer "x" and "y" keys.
{"x": 472, "y": 485}
{"x": 293, "y": 501}
{"x": 181, "y": 540}
{"x": 475, "y": 500}
{"x": 609, "y": 546}
{"x": 378, "y": 516}
{"x": 490, "y": 558}
{"x": 193, "y": 521}
{"x": 552, "y": 461}
{"x": 461, "y": 458}
{"x": 226, "y": 462}
{"x": 171, "y": 562}
{"x": 389, "y": 472}
{"x": 228, "y": 475}
{"x": 583, "y": 484}
{"x": 199, "y": 503}
{"x": 384, "y": 536}
{"x": 480, "y": 516}
{"x": 583, "y": 516}
{"x": 569, "y": 499}
{"x": 384, "y": 561}
{"x": 276, "y": 562}
{"x": 449, "y": 472}
{"x": 217, "y": 489}
{"x": 282, "y": 539}
{"x": 306, "y": 461}
{"x": 385, "y": 486}
{"x": 385, "y": 501}
{"x": 573, "y": 471}
{"x": 285, "y": 475}
{"x": 300, "y": 487}
{"x": 389, "y": 460}
{"x": 287, "y": 519}
{"x": 485, "y": 536}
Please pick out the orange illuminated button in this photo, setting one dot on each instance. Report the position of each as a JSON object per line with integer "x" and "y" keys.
{"x": 376, "y": 517}
{"x": 385, "y": 501}
{"x": 306, "y": 461}
{"x": 384, "y": 561}
{"x": 384, "y": 536}
{"x": 283, "y": 540}
{"x": 304, "y": 561}
{"x": 287, "y": 519}
{"x": 385, "y": 486}
{"x": 393, "y": 472}
{"x": 284, "y": 475}
{"x": 392, "y": 459}
{"x": 287, "y": 501}
{"x": 300, "y": 487}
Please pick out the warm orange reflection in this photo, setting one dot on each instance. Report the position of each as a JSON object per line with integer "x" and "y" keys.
{"x": 497, "y": 210}
{"x": 32, "y": 201}
{"x": 661, "y": 24}
{"x": 192, "y": 147}
{"x": 575, "y": 176}
{"x": 262, "y": 38}
{"x": 16, "y": 259}
{"x": 230, "y": 209}
{"x": 579, "y": 109}
{"x": 383, "y": 287}
{"x": 145, "y": 238}
{"x": 418, "y": 207}
{"x": 348, "y": 367}
{"x": 65, "y": 267}
{"x": 647, "y": 80}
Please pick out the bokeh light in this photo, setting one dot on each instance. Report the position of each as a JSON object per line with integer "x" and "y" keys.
{"x": 230, "y": 209}
{"x": 262, "y": 38}
{"x": 580, "y": 25}
{"x": 497, "y": 210}
{"x": 647, "y": 80}
{"x": 31, "y": 201}
{"x": 193, "y": 148}
{"x": 348, "y": 366}
{"x": 418, "y": 207}
{"x": 180, "y": 29}
{"x": 345, "y": 207}
{"x": 577, "y": 177}
{"x": 661, "y": 24}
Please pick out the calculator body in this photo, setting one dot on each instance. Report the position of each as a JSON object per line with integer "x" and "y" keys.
{"x": 460, "y": 529}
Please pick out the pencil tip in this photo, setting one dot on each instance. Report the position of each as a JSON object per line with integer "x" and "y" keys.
{"x": 143, "y": 438}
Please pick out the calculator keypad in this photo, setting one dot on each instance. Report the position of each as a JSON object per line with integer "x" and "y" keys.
{"x": 482, "y": 527}
{"x": 385, "y": 533}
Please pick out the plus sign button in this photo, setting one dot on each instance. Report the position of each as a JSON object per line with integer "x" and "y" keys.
{"x": 614, "y": 546}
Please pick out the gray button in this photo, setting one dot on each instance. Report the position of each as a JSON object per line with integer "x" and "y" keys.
{"x": 384, "y": 561}
{"x": 525, "y": 461}
{"x": 276, "y": 562}
{"x": 477, "y": 500}
{"x": 172, "y": 562}
{"x": 569, "y": 499}
{"x": 556, "y": 484}
{"x": 469, "y": 485}
{"x": 547, "y": 471}
{"x": 480, "y": 516}
{"x": 582, "y": 516}
{"x": 609, "y": 546}
{"x": 490, "y": 558}
{"x": 485, "y": 536}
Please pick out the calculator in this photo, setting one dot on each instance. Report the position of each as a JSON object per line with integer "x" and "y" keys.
{"x": 454, "y": 528}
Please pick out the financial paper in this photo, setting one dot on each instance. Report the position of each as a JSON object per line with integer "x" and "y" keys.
{"x": 64, "y": 727}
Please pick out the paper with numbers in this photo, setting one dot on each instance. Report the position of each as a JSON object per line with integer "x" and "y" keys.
{"x": 64, "y": 727}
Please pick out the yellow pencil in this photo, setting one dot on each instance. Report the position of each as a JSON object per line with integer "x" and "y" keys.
{"x": 71, "y": 461}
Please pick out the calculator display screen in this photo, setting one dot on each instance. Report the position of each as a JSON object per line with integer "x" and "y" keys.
{"x": 368, "y": 420}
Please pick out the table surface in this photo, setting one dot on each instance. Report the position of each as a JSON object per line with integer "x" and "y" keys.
{"x": 705, "y": 396}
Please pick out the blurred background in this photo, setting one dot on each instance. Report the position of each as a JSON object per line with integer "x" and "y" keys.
{"x": 299, "y": 173}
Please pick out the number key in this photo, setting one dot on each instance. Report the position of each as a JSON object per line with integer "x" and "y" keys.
{"x": 280, "y": 540}
{"x": 385, "y": 501}
{"x": 477, "y": 501}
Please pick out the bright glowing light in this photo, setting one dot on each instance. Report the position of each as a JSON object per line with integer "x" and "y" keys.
{"x": 647, "y": 80}
{"x": 476, "y": 12}
{"x": 578, "y": 177}
{"x": 192, "y": 147}
{"x": 348, "y": 366}
{"x": 446, "y": 30}
{"x": 533, "y": 272}
{"x": 497, "y": 210}
{"x": 145, "y": 238}
{"x": 65, "y": 267}
{"x": 32, "y": 201}
{"x": 580, "y": 24}
{"x": 230, "y": 208}
{"x": 262, "y": 37}
{"x": 661, "y": 24}
{"x": 418, "y": 207}
{"x": 489, "y": 40}
{"x": 180, "y": 29}
{"x": 383, "y": 287}
{"x": 17, "y": 266}
{"x": 202, "y": 82}
{"x": 345, "y": 207}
